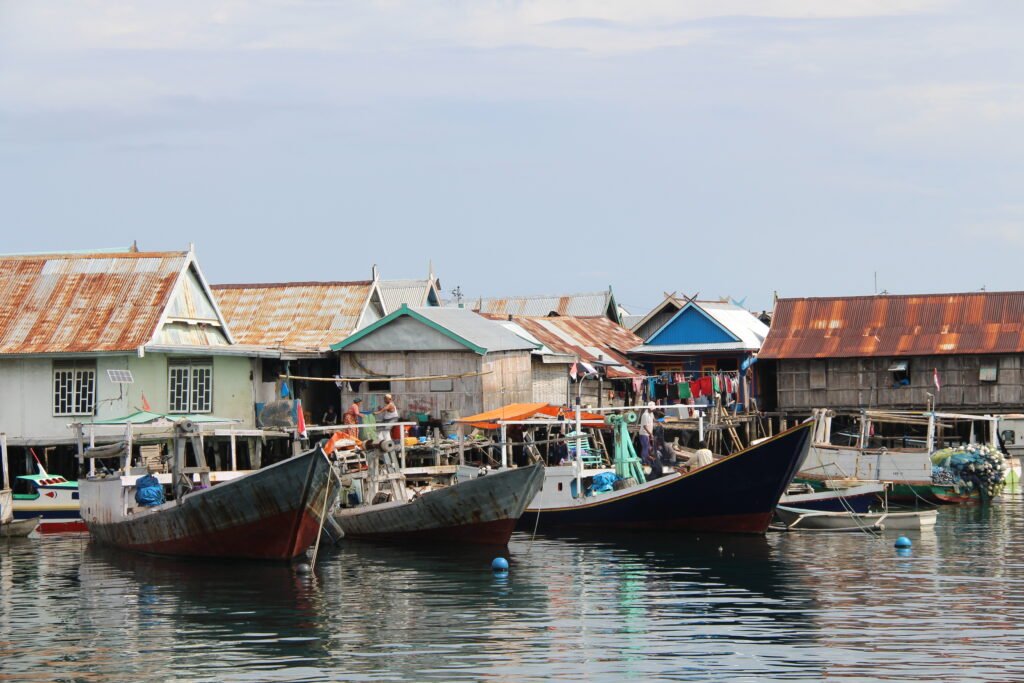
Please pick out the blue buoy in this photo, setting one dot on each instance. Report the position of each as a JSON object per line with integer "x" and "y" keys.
{"x": 499, "y": 564}
{"x": 904, "y": 552}
{"x": 903, "y": 542}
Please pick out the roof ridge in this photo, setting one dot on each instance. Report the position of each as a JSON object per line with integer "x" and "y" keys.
{"x": 544, "y": 296}
{"x": 271, "y": 285}
{"x": 899, "y": 296}
{"x": 61, "y": 256}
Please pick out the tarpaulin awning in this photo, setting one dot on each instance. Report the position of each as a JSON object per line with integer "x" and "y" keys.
{"x": 526, "y": 411}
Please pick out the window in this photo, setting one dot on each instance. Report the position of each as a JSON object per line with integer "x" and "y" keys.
{"x": 900, "y": 370}
{"x": 989, "y": 371}
{"x": 74, "y": 388}
{"x": 190, "y": 386}
{"x": 378, "y": 386}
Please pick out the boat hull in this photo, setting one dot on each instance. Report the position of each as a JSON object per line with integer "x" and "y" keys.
{"x": 269, "y": 514}
{"x": 19, "y": 527}
{"x": 856, "y": 499}
{"x": 796, "y": 518}
{"x": 736, "y": 494}
{"x": 478, "y": 511}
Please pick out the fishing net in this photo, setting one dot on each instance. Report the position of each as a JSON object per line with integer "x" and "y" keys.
{"x": 368, "y": 432}
{"x": 970, "y": 469}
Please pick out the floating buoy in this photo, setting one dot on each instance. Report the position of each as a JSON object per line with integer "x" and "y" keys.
{"x": 499, "y": 564}
{"x": 302, "y": 568}
{"x": 903, "y": 542}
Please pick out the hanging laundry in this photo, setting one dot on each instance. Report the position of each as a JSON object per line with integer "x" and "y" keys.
{"x": 684, "y": 390}
{"x": 716, "y": 385}
{"x": 638, "y": 382}
{"x": 650, "y": 389}
{"x": 707, "y": 386}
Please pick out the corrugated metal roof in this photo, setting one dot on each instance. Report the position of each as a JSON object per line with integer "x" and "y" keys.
{"x": 586, "y": 338}
{"x": 412, "y": 293}
{"x": 738, "y": 321}
{"x": 582, "y": 305}
{"x": 294, "y": 316}
{"x": 103, "y": 302}
{"x": 904, "y": 325}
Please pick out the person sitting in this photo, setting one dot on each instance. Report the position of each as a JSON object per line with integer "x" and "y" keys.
{"x": 702, "y": 458}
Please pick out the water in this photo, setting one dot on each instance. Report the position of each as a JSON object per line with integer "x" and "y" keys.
{"x": 785, "y": 607}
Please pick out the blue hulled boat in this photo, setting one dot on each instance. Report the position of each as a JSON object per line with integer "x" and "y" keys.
{"x": 734, "y": 494}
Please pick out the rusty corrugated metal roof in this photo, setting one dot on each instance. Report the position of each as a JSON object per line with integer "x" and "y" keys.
{"x": 80, "y": 303}
{"x": 583, "y": 305}
{"x": 587, "y": 338}
{"x": 295, "y": 316}
{"x": 905, "y": 325}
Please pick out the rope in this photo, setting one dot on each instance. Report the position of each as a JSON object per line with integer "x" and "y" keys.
{"x": 323, "y": 519}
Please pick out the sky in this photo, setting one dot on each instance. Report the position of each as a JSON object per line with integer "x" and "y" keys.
{"x": 726, "y": 148}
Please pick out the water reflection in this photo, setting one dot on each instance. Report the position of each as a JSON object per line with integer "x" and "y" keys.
{"x": 599, "y": 607}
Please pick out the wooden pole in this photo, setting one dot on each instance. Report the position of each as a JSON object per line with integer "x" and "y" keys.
{"x": 3, "y": 457}
{"x": 234, "y": 452}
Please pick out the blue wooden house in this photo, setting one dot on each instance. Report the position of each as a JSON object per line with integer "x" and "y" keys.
{"x": 701, "y": 338}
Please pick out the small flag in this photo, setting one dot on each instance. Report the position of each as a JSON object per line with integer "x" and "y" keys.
{"x": 935, "y": 376}
{"x": 573, "y": 371}
{"x": 588, "y": 368}
{"x": 145, "y": 403}
{"x": 300, "y": 420}
{"x": 284, "y": 390}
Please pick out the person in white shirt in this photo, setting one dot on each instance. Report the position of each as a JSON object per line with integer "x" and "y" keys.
{"x": 646, "y": 433}
{"x": 702, "y": 457}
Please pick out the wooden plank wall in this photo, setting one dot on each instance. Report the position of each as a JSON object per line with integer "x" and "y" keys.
{"x": 466, "y": 397}
{"x": 853, "y": 383}
{"x": 509, "y": 379}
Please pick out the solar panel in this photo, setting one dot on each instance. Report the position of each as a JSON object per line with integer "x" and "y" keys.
{"x": 121, "y": 376}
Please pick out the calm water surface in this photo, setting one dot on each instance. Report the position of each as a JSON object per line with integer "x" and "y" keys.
{"x": 785, "y": 607}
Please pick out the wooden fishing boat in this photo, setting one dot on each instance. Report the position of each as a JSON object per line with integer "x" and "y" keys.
{"x": 273, "y": 513}
{"x": 857, "y": 498}
{"x": 480, "y": 510}
{"x": 19, "y": 527}
{"x": 737, "y": 494}
{"x": 801, "y": 519}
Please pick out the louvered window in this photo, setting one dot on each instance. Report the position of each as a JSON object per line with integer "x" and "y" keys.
{"x": 190, "y": 386}
{"x": 74, "y": 389}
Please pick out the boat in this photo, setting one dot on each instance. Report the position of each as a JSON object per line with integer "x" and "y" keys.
{"x": 802, "y": 519}
{"x": 274, "y": 513}
{"x": 906, "y": 462}
{"x": 54, "y": 499}
{"x": 19, "y": 527}
{"x": 482, "y": 509}
{"x": 737, "y": 493}
{"x": 858, "y": 498}
{"x": 10, "y": 525}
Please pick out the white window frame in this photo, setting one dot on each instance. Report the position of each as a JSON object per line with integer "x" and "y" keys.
{"x": 74, "y": 389}
{"x": 190, "y": 386}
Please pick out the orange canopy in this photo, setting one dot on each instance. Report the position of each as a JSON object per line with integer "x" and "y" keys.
{"x": 526, "y": 411}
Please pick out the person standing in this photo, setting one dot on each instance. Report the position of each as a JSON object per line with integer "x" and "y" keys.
{"x": 353, "y": 416}
{"x": 389, "y": 413}
{"x": 329, "y": 417}
{"x": 646, "y": 433}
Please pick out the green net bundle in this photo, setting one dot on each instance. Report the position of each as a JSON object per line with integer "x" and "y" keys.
{"x": 969, "y": 469}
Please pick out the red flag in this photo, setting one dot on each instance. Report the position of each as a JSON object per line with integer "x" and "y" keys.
{"x": 300, "y": 420}
{"x": 572, "y": 372}
{"x": 935, "y": 376}
{"x": 145, "y": 403}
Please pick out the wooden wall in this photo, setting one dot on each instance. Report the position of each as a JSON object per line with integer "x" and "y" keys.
{"x": 509, "y": 379}
{"x": 550, "y": 382}
{"x": 465, "y": 398}
{"x": 854, "y": 383}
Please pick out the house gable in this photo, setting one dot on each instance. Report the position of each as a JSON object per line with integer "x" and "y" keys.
{"x": 692, "y": 325}
{"x": 405, "y": 333}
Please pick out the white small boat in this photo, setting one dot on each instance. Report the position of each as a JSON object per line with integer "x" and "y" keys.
{"x": 19, "y": 527}
{"x": 801, "y": 519}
